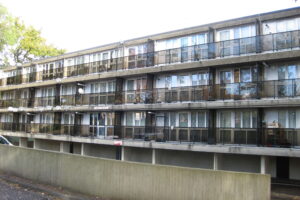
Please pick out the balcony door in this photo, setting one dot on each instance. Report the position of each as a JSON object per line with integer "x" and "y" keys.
{"x": 286, "y": 83}
{"x": 97, "y": 124}
{"x": 226, "y": 89}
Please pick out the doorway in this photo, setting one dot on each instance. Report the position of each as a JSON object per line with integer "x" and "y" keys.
{"x": 283, "y": 167}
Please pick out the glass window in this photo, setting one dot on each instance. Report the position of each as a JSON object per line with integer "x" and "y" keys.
{"x": 225, "y": 35}
{"x": 225, "y": 119}
{"x": 183, "y": 80}
{"x": 102, "y": 87}
{"x": 201, "y": 119}
{"x": 292, "y": 119}
{"x": 130, "y": 85}
{"x": 237, "y": 119}
{"x": 246, "y": 119}
{"x": 282, "y": 118}
{"x": 183, "y": 119}
{"x": 173, "y": 119}
{"x": 129, "y": 119}
{"x": 101, "y": 118}
{"x": 245, "y": 75}
{"x": 195, "y": 79}
{"x": 193, "y": 119}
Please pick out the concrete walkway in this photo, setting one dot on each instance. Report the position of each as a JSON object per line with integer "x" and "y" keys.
{"x": 16, "y": 188}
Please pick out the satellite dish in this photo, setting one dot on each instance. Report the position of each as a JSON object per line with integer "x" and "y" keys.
{"x": 80, "y": 91}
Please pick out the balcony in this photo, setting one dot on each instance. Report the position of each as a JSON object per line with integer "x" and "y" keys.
{"x": 237, "y": 47}
{"x": 105, "y": 98}
{"x": 266, "y": 137}
{"x": 44, "y": 101}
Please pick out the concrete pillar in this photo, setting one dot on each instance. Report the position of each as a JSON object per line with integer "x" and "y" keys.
{"x": 35, "y": 143}
{"x": 263, "y": 164}
{"x": 23, "y": 142}
{"x": 217, "y": 161}
{"x": 153, "y": 156}
{"x": 65, "y": 147}
{"x": 82, "y": 149}
{"x": 123, "y": 154}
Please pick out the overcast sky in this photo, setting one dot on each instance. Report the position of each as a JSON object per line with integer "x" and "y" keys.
{"x": 81, "y": 24}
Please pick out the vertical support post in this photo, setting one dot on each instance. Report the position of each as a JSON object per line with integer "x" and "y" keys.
{"x": 123, "y": 153}
{"x": 64, "y": 147}
{"x": 211, "y": 115}
{"x": 263, "y": 164}
{"x": 217, "y": 161}
{"x": 23, "y": 142}
{"x": 153, "y": 156}
{"x": 82, "y": 149}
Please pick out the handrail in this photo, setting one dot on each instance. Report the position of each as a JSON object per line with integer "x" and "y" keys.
{"x": 236, "y": 47}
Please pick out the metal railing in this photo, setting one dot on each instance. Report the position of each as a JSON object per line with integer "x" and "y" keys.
{"x": 267, "y": 137}
{"x": 250, "y": 45}
{"x": 237, "y": 91}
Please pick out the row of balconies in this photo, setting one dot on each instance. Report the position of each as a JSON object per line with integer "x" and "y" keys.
{"x": 268, "y": 137}
{"x": 236, "y": 47}
{"x": 236, "y": 91}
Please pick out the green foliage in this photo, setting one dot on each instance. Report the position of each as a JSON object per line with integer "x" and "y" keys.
{"x": 20, "y": 43}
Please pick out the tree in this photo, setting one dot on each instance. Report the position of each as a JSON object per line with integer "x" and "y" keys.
{"x": 20, "y": 43}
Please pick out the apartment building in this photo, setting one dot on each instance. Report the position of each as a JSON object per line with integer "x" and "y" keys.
{"x": 222, "y": 96}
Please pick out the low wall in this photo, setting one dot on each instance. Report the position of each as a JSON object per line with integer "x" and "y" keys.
{"x": 113, "y": 179}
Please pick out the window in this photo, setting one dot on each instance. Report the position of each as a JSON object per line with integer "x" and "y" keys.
{"x": 245, "y": 119}
{"x": 224, "y": 35}
{"x": 183, "y": 80}
{"x": 135, "y": 118}
{"x": 183, "y": 119}
{"x": 287, "y": 72}
{"x": 130, "y": 85}
{"x": 199, "y": 79}
{"x": 68, "y": 118}
{"x": 198, "y": 119}
{"x": 225, "y": 77}
{"x": 245, "y": 75}
{"x": 225, "y": 119}
{"x": 287, "y": 118}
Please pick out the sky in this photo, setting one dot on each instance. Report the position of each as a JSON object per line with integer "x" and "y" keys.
{"x": 80, "y": 24}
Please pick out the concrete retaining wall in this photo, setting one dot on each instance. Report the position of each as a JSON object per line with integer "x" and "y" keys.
{"x": 125, "y": 180}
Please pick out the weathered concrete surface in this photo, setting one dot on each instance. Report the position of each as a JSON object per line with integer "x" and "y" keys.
{"x": 124, "y": 180}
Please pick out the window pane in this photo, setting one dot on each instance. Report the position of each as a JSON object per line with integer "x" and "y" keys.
{"x": 102, "y": 87}
{"x": 193, "y": 119}
{"x": 292, "y": 73}
{"x": 129, "y": 119}
{"x": 183, "y": 119}
{"x": 292, "y": 119}
{"x": 237, "y": 119}
{"x": 225, "y": 119}
{"x": 130, "y": 85}
{"x": 246, "y": 119}
{"x": 173, "y": 119}
{"x": 195, "y": 79}
{"x": 282, "y": 118}
{"x": 245, "y": 75}
{"x": 201, "y": 119}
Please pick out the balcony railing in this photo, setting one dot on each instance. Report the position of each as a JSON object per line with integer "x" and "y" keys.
{"x": 251, "y": 45}
{"x": 237, "y": 91}
{"x": 267, "y": 137}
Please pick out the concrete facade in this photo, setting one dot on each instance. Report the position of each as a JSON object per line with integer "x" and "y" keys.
{"x": 222, "y": 96}
{"x": 125, "y": 180}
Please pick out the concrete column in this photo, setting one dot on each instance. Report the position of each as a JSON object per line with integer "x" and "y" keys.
{"x": 263, "y": 164}
{"x": 82, "y": 149}
{"x": 153, "y": 156}
{"x": 64, "y": 147}
{"x": 217, "y": 161}
{"x": 35, "y": 143}
{"x": 123, "y": 154}
{"x": 23, "y": 142}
